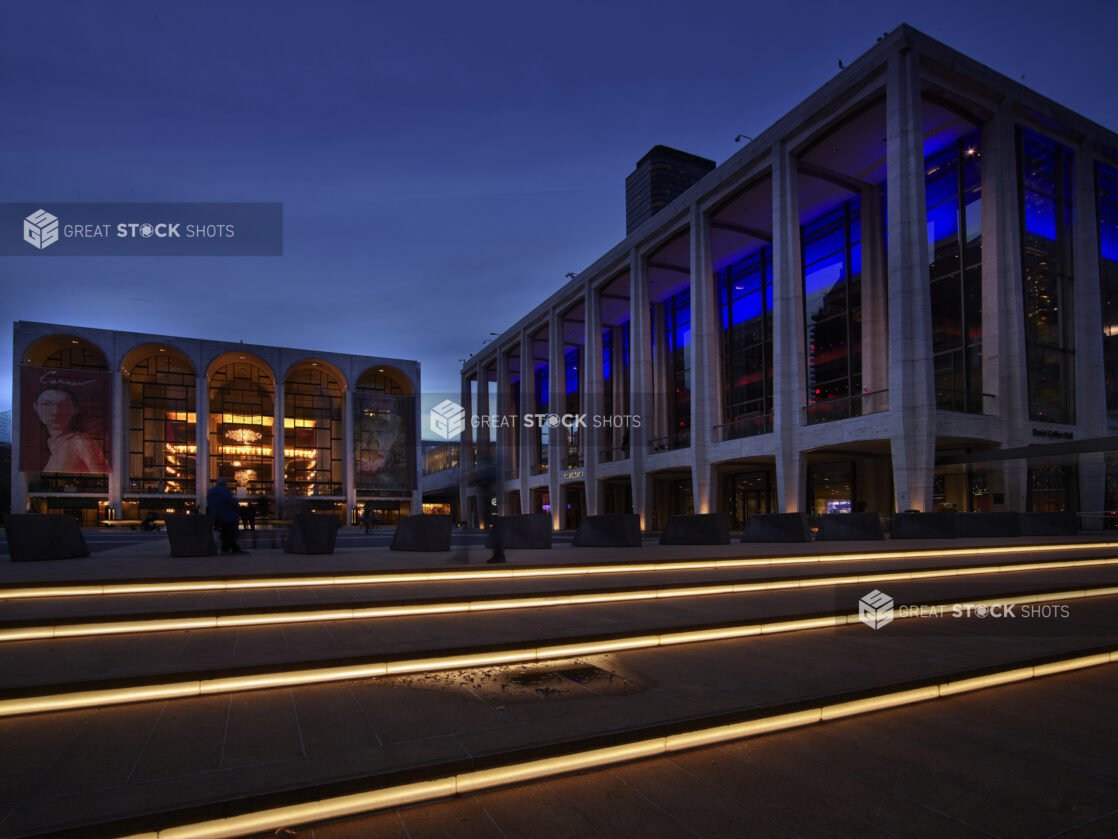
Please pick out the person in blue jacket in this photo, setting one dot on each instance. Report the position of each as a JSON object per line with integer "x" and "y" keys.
{"x": 223, "y": 506}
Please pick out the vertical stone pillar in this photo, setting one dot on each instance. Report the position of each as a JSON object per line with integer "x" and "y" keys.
{"x": 349, "y": 452}
{"x": 875, "y": 333}
{"x": 527, "y": 406}
{"x": 118, "y": 478}
{"x": 1090, "y": 371}
{"x": 19, "y": 479}
{"x": 278, "y": 443}
{"x": 640, "y": 378}
{"x": 466, "y": 463}
{"x": 660, "y": 393}
{"x": 911, "y": 382}
{"x": 1004, "y": 366}
{"x": 618, "y": 377}
{"x": 201, "y": 439}
{"x": 502, "y": 459}
{"x": 706, "y": 369}
{"x": 593, "y": 399}
{"x": 556, "y": 393}
{"x": 789, "y": 384}
{"x": 486, "y": 465}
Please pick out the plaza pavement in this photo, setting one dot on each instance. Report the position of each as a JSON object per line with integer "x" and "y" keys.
{"x": 114, "y": 770}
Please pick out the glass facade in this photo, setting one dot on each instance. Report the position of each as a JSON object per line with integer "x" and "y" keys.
{"x": 162, "y": 448}
{"x": 953, "y": 187}
{"x": 542, "y": 432}
{"x": 571, "y": 406}
{"x": 678, "y": 313}
{"x": 1106, "y": 191}
{"x": 832, "y": 259}
{"x": 1046, "y": 182}
{"x": 242, "y": 416}
{"x": 745, "y": 294}
{"x": 313, "y": 433}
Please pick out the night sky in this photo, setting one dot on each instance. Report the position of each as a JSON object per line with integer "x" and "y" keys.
{"x": 442, "y": 166}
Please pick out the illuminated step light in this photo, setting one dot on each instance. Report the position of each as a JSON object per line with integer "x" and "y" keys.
{"x": 480, "y": 780}
{"x": 388, "y": 610}
{"x": 524, "y": 572}
{"x": 456, "y": 661}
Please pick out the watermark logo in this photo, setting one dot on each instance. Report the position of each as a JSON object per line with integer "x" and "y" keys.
{"x": 448, "y": 419}
{"x": 875, "y": 610}
{"x": 40, "y": 229}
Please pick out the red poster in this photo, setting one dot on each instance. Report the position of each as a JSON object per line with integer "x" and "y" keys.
{"x": 65, "y": 421}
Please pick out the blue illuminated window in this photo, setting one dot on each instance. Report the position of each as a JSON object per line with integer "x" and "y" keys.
{"x": 1046, "y": 200}
{"x": 833, "y": 311}
{"x": 1106, "y": 192}
{"x": 953, "y": 189}
{"x": 745, "y": 297}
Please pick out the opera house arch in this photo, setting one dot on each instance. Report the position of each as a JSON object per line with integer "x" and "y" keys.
{"x": 132, "y": 424}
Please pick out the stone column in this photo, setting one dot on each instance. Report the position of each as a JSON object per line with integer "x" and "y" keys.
{"x": 660, "y": 394}
{"x": 640, "y": 378}
{"x": 201, "y": 440}
{"x": 789, "y": 384}
{"x": 875, "y": 340}
{"x": 502, "y": 460}
{"x": 278, "y": 443}
{"x": 349, "y": 453}
{"x": 706, "y": 369}
{"x": 1004, "y": 366}
{"x": 556, "y": 387}
{"x": 527, "y": 406}
{"x": 119, "y": 456}
{"x": 465, "y": 451}
{"x": 593, "y": 399}
{"x": 1090, "y": 370}
{"x": 618, "y": 376}
{"x": 482, "y": 439}
{"x": 19, "y": 478}
{"x": 911, "y": 381}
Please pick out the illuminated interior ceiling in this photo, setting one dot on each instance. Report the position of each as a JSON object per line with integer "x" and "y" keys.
{"x": 856, "y": 151}
{"x": 742, "y": 225}
{"x": 615, "y": 301}
{"x": 669, "y": 268}
{"x": 574, "y": 326}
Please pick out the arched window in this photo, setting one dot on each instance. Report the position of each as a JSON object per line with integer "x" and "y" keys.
{"x": 161, "y": 420}
{"x": 242, "y": 412}
{"x": 313, "y": 432}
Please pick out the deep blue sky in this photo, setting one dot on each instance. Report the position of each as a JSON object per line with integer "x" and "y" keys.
{"x": 442, "y": 165}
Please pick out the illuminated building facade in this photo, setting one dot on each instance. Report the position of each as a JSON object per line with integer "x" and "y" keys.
{"x": 901, "y": 296}
{"x": 111, "y": 425}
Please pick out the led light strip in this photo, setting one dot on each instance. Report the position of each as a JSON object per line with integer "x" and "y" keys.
{"x": 366, "y": 670}
{"x": 480, "y": 780}
{"x": 513, "y": 572}
{"x": 338, "y": 613}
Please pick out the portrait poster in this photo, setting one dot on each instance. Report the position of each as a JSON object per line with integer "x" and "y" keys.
{"x": 65, "y": 421}
{"x": 383, "y": 447}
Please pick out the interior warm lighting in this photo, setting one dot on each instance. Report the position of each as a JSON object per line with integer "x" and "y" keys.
{"x": 243, "y": 436}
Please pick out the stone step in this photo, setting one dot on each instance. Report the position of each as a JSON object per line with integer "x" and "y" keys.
{"x": 434, "y": 735}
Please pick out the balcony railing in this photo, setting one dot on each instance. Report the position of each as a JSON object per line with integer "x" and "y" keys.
{"x": 744, "y": 427}
{"x": 964, "y": 401}
{"x": 678, "y": 440}
{"x": 845, "y": 407}
{"x": 615, "y": 453}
